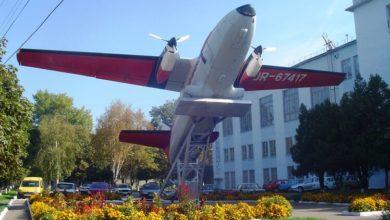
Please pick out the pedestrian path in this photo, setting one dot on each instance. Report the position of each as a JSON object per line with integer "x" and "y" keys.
{"x": 18, "y": 210}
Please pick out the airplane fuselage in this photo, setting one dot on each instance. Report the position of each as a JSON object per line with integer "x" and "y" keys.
{"x": 215, "y": 72}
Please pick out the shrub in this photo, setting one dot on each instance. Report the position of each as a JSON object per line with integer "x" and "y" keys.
{"x": 275, "y": 206}
{"x": 362, "y": 205}
{"x": 40, "y": 210}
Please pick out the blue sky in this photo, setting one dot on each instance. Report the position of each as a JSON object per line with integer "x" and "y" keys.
{"x": 122, "y": 26}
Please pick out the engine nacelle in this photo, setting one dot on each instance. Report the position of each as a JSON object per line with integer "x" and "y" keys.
{"x": 253, "y": 65}
{"x": 167, "y": 63}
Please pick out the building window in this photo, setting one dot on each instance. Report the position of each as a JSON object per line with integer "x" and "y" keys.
{"x": 266, "y": 111}
{"x": 233, "y": 180}
{"x": 217, "y": 152}
{"x": 252, "y": 176}
{"x": 290, "y": 104}
{"x": 230, "y": 180}
{"x": 346, "y": 67}
{"x": 290, "y": 172}
{"x": 245, "y": 176}
{"x": 266, "y": 178}
{"x": 356, "y": 65}
{"x": 388, "y": 17}
{"x": 289, "y": 144}
{"x": 250, "y": 151}
{"x": 227, "y": 180}
{"x": 265, "y": 149}
{"x": 226, "y": 155}
{"x": 274, "y": 174}
{"x": 319, "y": 95}
{"x": 272, "y": 148}
{"x": 244, "y": 152}
{"x": 227, "y": 127}
{"x": 246, "y": 122}
{"x": 231, "y": 154}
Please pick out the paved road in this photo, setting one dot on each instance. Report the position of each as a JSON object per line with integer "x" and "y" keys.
{"x": 17, "y": 210}
{"x": 331, "y": 212}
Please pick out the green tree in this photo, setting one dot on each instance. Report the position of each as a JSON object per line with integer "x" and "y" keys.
{"x": 366, "y": 117}
{"x": 318, "y": 140}
{"x": 58, "y": 148}
{"x": 163, "y": 114}
{"x": 49, "y": 105}
{"x": 15, "y": 121}
{"x": 108, "y": 150}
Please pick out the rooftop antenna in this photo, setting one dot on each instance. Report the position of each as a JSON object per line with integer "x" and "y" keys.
{"x": 328, "y": 43}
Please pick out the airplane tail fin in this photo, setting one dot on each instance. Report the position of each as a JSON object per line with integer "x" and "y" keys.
{"x": 150, "y": 138}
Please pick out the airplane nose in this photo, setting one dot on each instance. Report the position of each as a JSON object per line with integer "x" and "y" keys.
{"x": 246, "y": 10}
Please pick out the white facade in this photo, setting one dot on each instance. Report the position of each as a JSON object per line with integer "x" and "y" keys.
{"x": 372, "y": 25}
{"x": 255, "y": 148}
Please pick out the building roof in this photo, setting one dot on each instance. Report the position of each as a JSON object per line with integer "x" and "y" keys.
{"x": 356, "y": 4}
{"x": 326, "y": 53}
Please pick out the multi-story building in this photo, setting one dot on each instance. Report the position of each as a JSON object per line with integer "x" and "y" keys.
{"x": 256, "y": 148}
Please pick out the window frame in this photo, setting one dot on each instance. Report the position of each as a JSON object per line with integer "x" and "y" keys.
{"x": 272, "y": 148}
{"x": 290, "y": 104}
{"x": 265, "y": 151}
{"x": 246, "y": 122}
{"x": 266, "y": 108}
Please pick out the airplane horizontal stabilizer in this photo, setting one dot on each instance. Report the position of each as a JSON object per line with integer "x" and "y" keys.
{"x": 209, "y": 107}
{"x": 150, "y": 138}
{"x": 276, "y": 77}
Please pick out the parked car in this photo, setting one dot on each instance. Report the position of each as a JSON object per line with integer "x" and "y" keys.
{"x": 99, "y": 187}
{"x": 65, "y": 187}
{"x": 249, "y": 188}
{"x": 285, "y": 185}
{"x": 30, "y": 186}
{"x": 275, "y": 185}
{"x": 122, "y": 189}
{"x": 314, "y": 184}
{"x": 208, "y": 188}
{"x": 148, "y": 190}
{"x": 351, "y": 182}
{"x": 84, "y": 189}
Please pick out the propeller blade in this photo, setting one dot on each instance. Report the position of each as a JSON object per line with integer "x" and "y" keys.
{"x": 183, "y": 38}
{"x": 156, "y": 37}
{"x": 269, "y": 49}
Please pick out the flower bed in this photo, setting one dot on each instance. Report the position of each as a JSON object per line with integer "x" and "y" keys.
{"x": 376, "y": 202}
{"x": 236, "y": 195}
{"x": 336, "y": 198}
{"x": 86, "y": 207}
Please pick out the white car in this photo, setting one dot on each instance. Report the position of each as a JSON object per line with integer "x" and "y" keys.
{"x": 122, "y": 189}
{"x": 65, "y": 187}
{"x": 313, "y": 183}
{"x": 250, "y": 188}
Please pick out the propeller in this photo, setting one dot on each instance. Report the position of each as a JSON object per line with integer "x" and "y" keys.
{"x": 259, "y": 49}
{"x": 173, "y": 41}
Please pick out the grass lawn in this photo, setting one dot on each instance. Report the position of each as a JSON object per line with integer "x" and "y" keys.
{"x": 5, "y": 198}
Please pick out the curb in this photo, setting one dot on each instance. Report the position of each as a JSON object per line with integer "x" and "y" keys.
{"x": 324, "y": 203}
{"x": 365, "y": 214}
{"x": 5, "y": 210}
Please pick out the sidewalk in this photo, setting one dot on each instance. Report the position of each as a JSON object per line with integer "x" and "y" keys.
{"x": 331, "y": 212}
{"x": 17, "y": 210}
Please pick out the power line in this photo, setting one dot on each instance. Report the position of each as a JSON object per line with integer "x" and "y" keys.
{"x": 17, "y": 16}
{"x": 10, "y": 15}
{"x": 29, "y": 37}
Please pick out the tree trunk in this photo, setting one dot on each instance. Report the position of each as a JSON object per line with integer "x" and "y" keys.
{"x": 321, "y": 179}
{"x": 387, "y": 178}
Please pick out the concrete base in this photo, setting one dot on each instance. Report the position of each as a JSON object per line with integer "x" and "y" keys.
{"x": 366, "y": 214}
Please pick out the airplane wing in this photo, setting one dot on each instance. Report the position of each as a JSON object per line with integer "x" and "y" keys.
{"x": 275, "y": 77}
{"x": 131, "y": 69}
